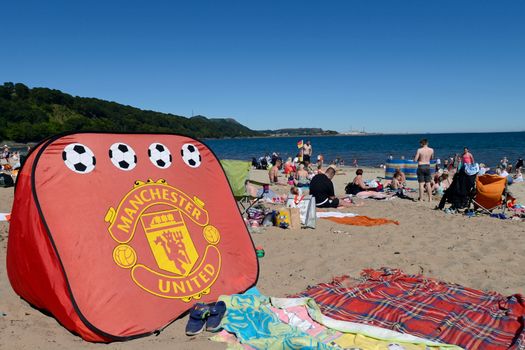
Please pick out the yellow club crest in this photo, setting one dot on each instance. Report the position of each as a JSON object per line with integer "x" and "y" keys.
{"x": 179, "y": 272}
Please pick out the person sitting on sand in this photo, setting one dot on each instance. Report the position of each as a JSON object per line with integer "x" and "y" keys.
{"x": 320, "y": 159}
{"x": 504, "y": 163}
{"x": 322, "y": 189}
{"x": 442, "y": 183}
{"x": 357, "y": 185}
{"x": 398, "y": 186}
{"x": 319, "y": 169}
{"x": 6, "y": 154}
{"x": 519, "y": 164}
{"x": 273, "y": 174}
{"x": 301, "y": 177}
{"x": 450, "y": 164}
{"x": 397, "y": 181}
{"x": 402, "y": 174}
{"x": 518, "y": 177}
{"x": 289, "y": 167}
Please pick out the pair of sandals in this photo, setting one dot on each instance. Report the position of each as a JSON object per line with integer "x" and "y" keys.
{"x": 207, "y": 316}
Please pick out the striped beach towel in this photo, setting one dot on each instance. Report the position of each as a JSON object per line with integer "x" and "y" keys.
{"x": 426, "y": 308}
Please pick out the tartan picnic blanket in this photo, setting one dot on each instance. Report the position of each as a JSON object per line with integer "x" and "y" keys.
{"x": 425, "y": 307}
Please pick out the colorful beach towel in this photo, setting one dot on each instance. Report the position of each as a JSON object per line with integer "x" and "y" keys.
{"x": 250, "y": 318}
{"x": 361, "y": 220}
{"x": 305, "y": 314}
{"x": 299, "y": 324}
{"x": 426, "y": 308}
{"x": 373, "y": 195}
{"x": 334, "y": 214}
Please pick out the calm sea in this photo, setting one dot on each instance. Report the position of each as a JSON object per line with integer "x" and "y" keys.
{"x": 372, "y": 150}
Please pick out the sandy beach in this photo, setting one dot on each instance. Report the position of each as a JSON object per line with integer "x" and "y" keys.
{"x": 481, "y": 252}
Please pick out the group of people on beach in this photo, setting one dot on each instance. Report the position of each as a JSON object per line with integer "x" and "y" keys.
{"x": 9, "y": 160}
{"x": 298, "y": 171}
{"x": 301, "y": 172}
{"x": 464, "y": 162}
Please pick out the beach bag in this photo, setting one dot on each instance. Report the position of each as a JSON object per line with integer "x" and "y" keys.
{"x": 118, "y": 235}
{"x": 256, "y": 213}
{"x": 6, "y": 180}
{"x": 306, "y": 205}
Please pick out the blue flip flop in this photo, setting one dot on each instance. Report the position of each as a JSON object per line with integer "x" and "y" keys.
{"x": 197, "y": 320}
{"x": 217, "y": 311}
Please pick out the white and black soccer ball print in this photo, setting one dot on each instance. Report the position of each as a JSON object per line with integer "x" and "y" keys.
{"x": 160, "y": 155}
{"x": 191, "y": 155}
{"x": 79, "y": 158}
{"x": 122, "y": 156}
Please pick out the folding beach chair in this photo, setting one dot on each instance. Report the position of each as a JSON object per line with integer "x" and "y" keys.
{"x": 490, "y": 193}
{"x": 237, "y": 172}
{"x": 460, "y": 192}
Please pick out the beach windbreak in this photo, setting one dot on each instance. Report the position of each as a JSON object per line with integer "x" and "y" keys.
{"x": 117, "y": 235}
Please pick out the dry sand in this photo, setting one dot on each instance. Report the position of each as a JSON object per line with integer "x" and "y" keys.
{"x": 480, "y": 252}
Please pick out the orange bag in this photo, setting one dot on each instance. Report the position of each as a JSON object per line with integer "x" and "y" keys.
{"x": 117, "y": 235}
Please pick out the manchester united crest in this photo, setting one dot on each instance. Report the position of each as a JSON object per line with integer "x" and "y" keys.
{"x": 160, "y": 212}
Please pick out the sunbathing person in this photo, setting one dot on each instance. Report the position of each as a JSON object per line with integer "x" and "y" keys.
{"x": 403, "y": 178}
{"x": 398, "y": 186}
{"x": 301, "y": 177}
{"x": 357, "y": 185}
{"x": 397, "y": 181}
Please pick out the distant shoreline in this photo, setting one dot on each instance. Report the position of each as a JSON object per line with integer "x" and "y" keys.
{"x": 19, "y": 144}
{"x": 360, "y": 135}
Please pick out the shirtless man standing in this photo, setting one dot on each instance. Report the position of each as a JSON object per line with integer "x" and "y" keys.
{"x": 423, "y": 156}
{"x": 307, "y": 151}
{"x": 273, "y": 174}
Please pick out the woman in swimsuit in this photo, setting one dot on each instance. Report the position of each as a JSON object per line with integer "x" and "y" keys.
{"x": 467, "y": 157}
{"x": 357, "y": 185}
{"x": 301, "y": 177}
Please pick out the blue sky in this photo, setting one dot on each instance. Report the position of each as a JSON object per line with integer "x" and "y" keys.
{"x": 387, "y": 66}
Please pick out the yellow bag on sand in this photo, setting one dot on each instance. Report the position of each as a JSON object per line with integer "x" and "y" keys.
{"x": 283, "y": 218}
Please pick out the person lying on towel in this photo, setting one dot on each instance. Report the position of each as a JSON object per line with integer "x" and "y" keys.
{"x": 357, "y": 185}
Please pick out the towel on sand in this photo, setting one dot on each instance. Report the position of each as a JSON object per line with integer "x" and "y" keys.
{"x": 335, "y": 214}
{"x": 425, "y": 307}
{"x": 259, "y": 322}
{"x": 361, "y": 220}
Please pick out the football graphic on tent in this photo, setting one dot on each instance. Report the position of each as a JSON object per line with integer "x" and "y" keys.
{"x": 122, "y": 156}
{"x": 79, "y": 158}
{"x": 117, "y": 247}
{"x": 191, "y": 155}
{"x": 159, "y": 155}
